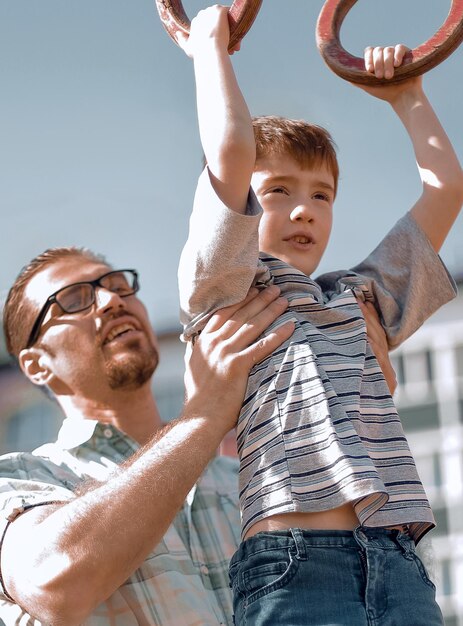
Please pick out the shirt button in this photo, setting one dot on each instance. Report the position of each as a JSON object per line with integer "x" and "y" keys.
{"x": 108, "y": 433}
{"x": 204, "y": 570}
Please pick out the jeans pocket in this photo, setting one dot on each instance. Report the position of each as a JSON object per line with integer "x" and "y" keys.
{"x": 268, "y": 573}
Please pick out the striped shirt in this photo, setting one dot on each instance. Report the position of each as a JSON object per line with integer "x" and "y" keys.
{"x": 318, "y": 427}
{"x": 184, "y": 581}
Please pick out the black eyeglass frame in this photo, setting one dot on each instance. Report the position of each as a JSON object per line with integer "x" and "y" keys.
{"x": 93, "y": 283}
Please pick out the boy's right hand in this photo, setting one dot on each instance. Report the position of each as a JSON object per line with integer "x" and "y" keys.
{"x": 210, "y": 26}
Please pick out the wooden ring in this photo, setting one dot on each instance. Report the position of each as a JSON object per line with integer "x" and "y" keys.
{"x": 416, "y": 62}
{"x": 242, "y": 14}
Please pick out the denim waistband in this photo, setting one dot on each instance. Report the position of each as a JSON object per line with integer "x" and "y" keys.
{"x": 361, "y": 536}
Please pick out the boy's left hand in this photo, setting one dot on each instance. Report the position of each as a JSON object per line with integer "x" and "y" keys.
{"x": 382, "y": 62}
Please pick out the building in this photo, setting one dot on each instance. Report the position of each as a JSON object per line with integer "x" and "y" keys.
{"x": 429, "y": 398}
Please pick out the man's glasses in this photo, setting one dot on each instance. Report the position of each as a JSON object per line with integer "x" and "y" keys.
{"x": 80, "y": 296}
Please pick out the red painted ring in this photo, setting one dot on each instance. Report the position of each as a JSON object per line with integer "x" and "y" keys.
{"x": 242, "y": 14}
{"x": 416, "y": 62}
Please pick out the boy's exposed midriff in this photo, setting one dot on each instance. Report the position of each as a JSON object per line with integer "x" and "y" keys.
{"x": 341, "y": 518}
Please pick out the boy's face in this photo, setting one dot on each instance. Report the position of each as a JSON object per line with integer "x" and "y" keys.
{"x": 298, "y": 210}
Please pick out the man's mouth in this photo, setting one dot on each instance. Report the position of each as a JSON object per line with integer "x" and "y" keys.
{"x": 118, "y": 331}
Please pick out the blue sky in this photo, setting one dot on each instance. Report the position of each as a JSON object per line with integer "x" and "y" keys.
{"x": 99, "y": 143}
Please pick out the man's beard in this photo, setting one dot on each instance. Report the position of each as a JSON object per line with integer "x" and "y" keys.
{"x": 134, "y": 370}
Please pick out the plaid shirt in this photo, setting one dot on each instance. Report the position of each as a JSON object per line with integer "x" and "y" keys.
{"x": 184, "y": 581}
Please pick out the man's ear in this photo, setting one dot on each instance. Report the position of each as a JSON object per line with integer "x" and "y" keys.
{"x": 34, "y": 364}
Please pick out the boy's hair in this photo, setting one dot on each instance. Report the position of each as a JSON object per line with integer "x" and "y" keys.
{"x": 308, "y": 144}
{"x": 17, "y": 314}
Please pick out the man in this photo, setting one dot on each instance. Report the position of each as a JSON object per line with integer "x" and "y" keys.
{"x": 77, "y": 528}
{"x": 123, "y": 520}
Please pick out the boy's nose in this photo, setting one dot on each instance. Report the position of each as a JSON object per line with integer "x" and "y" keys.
{"x": 302, "y": 213}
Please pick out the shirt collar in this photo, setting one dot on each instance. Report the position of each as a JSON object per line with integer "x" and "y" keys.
{"x": 75, "y": 431}
{"x": 293, "y": 283}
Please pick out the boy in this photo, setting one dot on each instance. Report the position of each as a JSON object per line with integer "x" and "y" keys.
{"x": 331, "y": 502}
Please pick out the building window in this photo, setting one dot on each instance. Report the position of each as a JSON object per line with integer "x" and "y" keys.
{"x": 459, "y": 360}
{"x": 419, "y": 417}
{"x": 442, "y": 522}
{"x": 446, "y": 578}
{"x": 429, "y": 365}
{"x": 32, "y": 426}
{"x": 397, "y": 361}
{"x": 170, "y": 401}
{"x": 418, "y": 367}
{"x": 429, "y": 470}
{"x": 437, "y": 471}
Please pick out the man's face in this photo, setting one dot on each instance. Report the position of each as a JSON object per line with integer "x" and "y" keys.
{"x": 110, "y": 345}
{"x": 297, "y": 210}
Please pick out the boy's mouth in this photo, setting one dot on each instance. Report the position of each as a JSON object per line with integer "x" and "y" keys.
{"x": 300, "y": 240}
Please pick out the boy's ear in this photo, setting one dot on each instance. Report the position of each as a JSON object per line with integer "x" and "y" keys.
{"x": 34, "y": 364}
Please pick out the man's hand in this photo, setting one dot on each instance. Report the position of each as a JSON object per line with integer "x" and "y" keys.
{"x": 218, "y": 365}
{"x": 378, "y": 342}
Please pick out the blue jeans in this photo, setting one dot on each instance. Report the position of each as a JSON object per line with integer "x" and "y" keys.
{"x": 332, "y": 578}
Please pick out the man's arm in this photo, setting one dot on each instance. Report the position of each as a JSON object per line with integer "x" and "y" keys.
{"x": 60, "y": 562}
{"x": 378, "y": 342}
{"x": 224, "y": 121}
{"x": 440, "y": 172}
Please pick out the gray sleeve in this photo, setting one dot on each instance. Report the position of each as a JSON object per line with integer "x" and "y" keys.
{"x": 404, "y": 277}
{"x": 218, "y": 263}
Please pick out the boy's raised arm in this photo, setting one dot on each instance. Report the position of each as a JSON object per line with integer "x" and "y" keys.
{"x": 440, "y": 172}
{"x": 224, "y": 121}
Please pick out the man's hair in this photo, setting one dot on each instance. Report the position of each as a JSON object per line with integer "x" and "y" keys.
{"x": 18, "y": 316}
{"x": 308, "y": 144}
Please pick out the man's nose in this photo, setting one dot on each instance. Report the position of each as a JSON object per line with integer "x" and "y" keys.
{"x": 105, "y": 300}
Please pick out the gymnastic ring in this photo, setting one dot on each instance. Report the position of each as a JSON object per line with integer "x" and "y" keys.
{"x": 416, "y": 62}
{"x": 242, "y": 14}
